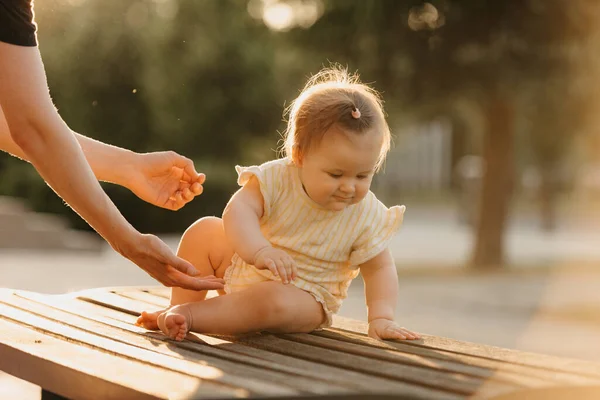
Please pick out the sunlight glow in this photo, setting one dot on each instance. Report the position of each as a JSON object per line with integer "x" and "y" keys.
{"x": 166, "y": 9}
{"x": 283, "y": 15}
{"x": 425, "y": 16}
{"x": 279, "y": 16}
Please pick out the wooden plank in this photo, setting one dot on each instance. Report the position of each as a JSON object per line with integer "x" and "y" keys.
{"x": 455, "y": 383}
{"x": 235, "y": 352}
{"x": 263, "y": 378}
{"x": 466, "y": 364}
{"x": 146, "y": 297}
{"x": 214, "y": 370}
{"x": 437, "y": 359}
{"x": 414, "y": 375}
{"x": 401, "y": 378}
{"x": 223, "y": 349}
{"x": 160, "y": 291}
{"x": 85, "y": 373}
{"x": 504, "y": 371}
{"x": 580, "y": 367}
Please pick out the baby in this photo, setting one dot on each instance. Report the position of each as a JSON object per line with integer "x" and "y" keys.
{"x": 300, "y": 228}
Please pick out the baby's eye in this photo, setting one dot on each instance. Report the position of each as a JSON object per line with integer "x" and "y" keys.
{"x": 334, "y": 175}
{"x": 362, "y": 176}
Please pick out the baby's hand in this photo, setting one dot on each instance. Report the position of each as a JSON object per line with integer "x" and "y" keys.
{"x": 278, "y": 262}
{"x": 387, "y": 329}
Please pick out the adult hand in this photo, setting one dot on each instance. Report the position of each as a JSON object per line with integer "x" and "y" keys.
{"x": 382, "y": 328}
{"x": 165, "y": 179}
{"x": 156, "y": 258}
{"x": 278, "y": 262}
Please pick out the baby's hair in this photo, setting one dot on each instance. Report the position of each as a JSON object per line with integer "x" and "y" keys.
{"x": 334, "y": 97}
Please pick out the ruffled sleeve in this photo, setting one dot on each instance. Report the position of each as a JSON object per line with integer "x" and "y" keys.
{"x": 268, "y": 179}
{"x": 382, "y": 224}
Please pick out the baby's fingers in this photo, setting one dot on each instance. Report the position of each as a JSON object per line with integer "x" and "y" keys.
{"x": 281, "y": 267}
{"x": 294, "y": 269}
{"x": 270, "y": 264}
{"x": 394, "y": 332}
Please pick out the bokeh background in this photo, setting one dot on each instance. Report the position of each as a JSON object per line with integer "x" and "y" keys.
{"x": 494, "y": 107}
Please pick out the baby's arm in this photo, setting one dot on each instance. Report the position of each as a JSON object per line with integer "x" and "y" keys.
{"x": 381, "y": 292}
{"x": 241, "y": 220}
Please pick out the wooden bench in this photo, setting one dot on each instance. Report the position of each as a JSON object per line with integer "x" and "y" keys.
{"x": 85, "y": 345}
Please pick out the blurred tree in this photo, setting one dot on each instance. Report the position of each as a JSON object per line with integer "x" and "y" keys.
{"x": 194, "y": 77}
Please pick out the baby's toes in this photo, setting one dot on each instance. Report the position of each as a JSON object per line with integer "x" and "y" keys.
{"x": 175, "y": 324}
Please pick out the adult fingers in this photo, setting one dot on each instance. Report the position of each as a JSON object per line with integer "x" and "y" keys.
{"x": 187, "y": 195}
{"x": 187, "y": 282}
{"x": 180, "y": 264}
{"x": 186, "y": 164}
{"x": 173, "y": 204}
{"x": 196, "y": 188}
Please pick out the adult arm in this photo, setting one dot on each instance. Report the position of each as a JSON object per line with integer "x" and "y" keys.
{"x": 164, "y": 179}
{"x": 47, "y": 142}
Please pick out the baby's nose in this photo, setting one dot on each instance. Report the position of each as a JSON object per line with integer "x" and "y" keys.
{"x": 347, "y": 188}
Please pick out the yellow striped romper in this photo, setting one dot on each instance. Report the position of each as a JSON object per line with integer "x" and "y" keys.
{"x": 327, "y": 246}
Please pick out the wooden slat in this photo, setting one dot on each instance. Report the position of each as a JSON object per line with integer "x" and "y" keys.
{"x": 84, "y": 373}
{"x": 437, "y": 359}
{"x": 342, "y": 357}
{"x": 471, "y": 364}
{"x": 225, "y": 372}
{"x": 259, "y": 380}
{"x": 411, "y": 374}
{"x": 533, "y": 370}
{"x": 411, "y": 380}
{"x": 423, "y": 376}
{"x": 227, "y": 350}
{"x": 146, "y": 297}
{"x": 580, "y": 367}
{"x": 467, "y": 364}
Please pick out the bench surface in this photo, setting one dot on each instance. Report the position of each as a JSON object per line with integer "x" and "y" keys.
{"x": 85, "y": 345}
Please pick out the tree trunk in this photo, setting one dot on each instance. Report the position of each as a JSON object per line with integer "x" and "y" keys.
{"x": 547, "y": 199}
{"x": 496, "y": 185}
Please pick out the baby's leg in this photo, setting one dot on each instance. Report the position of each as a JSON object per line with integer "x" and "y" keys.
{"x": 204, "y": 245}
{"x": 266, "y": 306}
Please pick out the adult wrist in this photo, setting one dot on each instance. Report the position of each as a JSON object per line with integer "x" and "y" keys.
{"x": 125, "y": 168}
{"x": 121, "y": 236}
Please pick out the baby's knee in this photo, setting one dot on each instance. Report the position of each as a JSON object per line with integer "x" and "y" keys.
{"x": 207, "y": 227}
{"x": 285, "y": 313}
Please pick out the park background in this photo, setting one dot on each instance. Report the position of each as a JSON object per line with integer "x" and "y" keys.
{"x": 494, "y": 107}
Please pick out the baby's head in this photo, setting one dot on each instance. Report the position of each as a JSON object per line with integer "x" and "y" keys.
{"x": 338, "y": 137}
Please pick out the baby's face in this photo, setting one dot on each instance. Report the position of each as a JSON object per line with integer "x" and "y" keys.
{"x": 338, "y": 172}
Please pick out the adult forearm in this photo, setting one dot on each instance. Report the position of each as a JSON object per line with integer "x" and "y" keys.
{"x": 243, "y": 230}
{"x": 108, "y": 163}
{"x": 381, "y": 292}
{"x": 68, "y": 173}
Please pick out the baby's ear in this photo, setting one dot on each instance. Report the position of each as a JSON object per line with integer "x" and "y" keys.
{"x": 296, "y": 155}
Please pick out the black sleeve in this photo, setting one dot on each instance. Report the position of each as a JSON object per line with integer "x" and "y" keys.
{"x": 16, "y": 22}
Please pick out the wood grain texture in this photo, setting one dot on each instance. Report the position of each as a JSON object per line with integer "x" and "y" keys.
{"x": 86, "y": 345}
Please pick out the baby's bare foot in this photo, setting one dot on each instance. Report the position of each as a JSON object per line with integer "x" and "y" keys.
{"x": 175, "y": 322}
{"x": 149, "y": 320}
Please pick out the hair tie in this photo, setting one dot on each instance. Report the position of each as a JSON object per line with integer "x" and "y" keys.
{"x": 355, "y": 113}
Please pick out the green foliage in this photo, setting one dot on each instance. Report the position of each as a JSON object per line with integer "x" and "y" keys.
{"x": 208, "y": 80}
